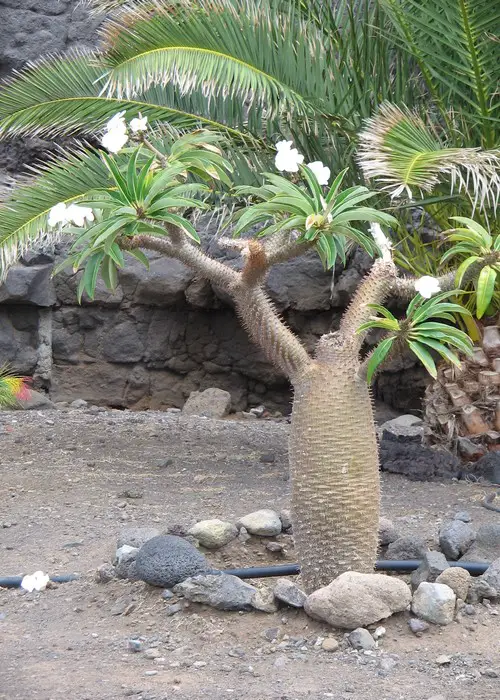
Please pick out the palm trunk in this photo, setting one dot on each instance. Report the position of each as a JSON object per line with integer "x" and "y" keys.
{"x": 334, "y": 474}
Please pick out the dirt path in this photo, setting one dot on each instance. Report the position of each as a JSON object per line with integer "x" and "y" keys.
{"x": 62, "y": 473}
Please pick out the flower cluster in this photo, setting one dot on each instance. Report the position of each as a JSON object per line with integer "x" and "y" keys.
{"x": 35, "y": 582}
{"x": 288, "y": 159}
{"x": 62, "y": 215}
{"x": 427, "y": 286}
{"x": 116, "y": 136}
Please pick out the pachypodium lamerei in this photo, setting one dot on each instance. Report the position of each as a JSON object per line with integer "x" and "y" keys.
{"x": 140, "y": 197}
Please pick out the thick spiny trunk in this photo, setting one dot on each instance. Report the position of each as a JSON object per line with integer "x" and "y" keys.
{"x": 334, "y": 474}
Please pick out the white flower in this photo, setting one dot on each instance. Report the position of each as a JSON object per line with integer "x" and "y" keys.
{"x": 114, "y": 140}
{"x": 117, "y": 123}
{"x": 321, "y": 171}
{"x": 427, "y": 286}
{"x": 139, "y": 124}
{"x": 35, "y": 582}
{"x": 57, "y": 215}
{"x": 287, "y": 158}
{"x": 284, "y": 145}
{"x": 381, "y": 240}
{"x": 61, "y": 214}
{"x": 78, "y": 215}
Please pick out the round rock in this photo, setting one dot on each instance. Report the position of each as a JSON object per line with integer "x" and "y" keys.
{"x": 434, "y": 602}
{"x": 167, "y": 560}
{"x": 214, "y": 534}
{"x": 356, "y": 600}
{"x": 387, "y": 532}
{"x": 264, "y": 523}
{"x": 457, "y": 579}
{"x": 455, "y": 538}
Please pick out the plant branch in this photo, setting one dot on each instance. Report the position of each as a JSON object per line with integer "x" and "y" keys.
{"x": 280, "y": 345}
{"x": 193, "y": 257}
{"x": 262, "y": 322}
{"x": 373, "y": 290}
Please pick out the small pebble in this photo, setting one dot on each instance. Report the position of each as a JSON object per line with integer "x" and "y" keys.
{"x": 167, "y": 594}
{"x": 173, "y": 609}
{"x": 442, "y": 660}
{"x": 199, "y": 664}
{"x": 469, "y": 609}
{"x": 134, "y": 645}
{"x": 151, "y": 673}
{"x": 152, "y": 654}
{"x": 418, "y": 626}
{"x": 330, "y": 644}
{"x": 464, "y": 516}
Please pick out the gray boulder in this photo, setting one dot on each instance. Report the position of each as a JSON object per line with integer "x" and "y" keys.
{"x": 434, "y": 602}
{"x": 387, "y": 532}
{"x": 489, "y": 467}
{"x": 124, "y": 558}
{"x": 357, "y": 600}
{"x": 213, "y": 534}
{"x": 211, "y": 403}
{"x": 220, "y": 591}
{"x": 167, "y": 560}
{"x": 36, "y": 402}
{"x": 263, "y": 523}
{"x": 288, "y": 592}
{"x": 361, "y": 639}
{"x": 136, "y": 536}
{"x": 455, "y": 538}
{"x": 407, "y": 547}
{"x": 487, "y": 585}
{"x": 406, "y": 428}
{"x": 29, "y": 285}
{"x": 433, "y": 564}
{"x": 487, "y": 544}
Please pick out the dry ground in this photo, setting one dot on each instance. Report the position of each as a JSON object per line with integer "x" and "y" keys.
{"x": 62, "y": 473}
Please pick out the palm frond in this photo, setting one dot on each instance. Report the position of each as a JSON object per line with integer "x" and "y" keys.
{"x": 403, "y": 154}
{"x": 224, "y": 47}
{"x": 23, "y": 216}
{"x": 62, "y": 95}
{"x": 454, "y": 43}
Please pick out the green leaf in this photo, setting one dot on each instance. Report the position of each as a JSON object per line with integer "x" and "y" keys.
{"x": 89, "y": 278}
{"x": 441, "y": 349}
{"x": 424, "y": 356}
{"x": 463, "y": 267}
{"x": 139, "y": 255}
{"x": 377, "y": 357}
{"x": 382, "y": 310}
{"x": 484, "y": 289}
{"x": 482, "y": 233}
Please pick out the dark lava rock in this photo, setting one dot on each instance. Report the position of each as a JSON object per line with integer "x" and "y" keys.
{"x": 167, "y": 560}
{"x": 408, "y": 547}
{"x": 417, "y": 462}
{"x": 488, "y": 467}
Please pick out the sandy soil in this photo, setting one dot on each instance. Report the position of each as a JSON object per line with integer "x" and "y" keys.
{"x": 61, "y": 480}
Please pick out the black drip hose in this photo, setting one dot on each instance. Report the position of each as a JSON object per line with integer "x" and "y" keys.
{"x": 474, "y": 568}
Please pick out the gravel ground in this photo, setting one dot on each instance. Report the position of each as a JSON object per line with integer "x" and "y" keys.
{"x": 64, "y": 478}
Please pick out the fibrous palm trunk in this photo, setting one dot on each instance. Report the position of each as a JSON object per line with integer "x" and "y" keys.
{"x": 462, "y": 407}
{"x": 334, "y": 474}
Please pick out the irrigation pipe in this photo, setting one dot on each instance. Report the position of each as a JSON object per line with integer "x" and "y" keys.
{"x": 474, "y": 568}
